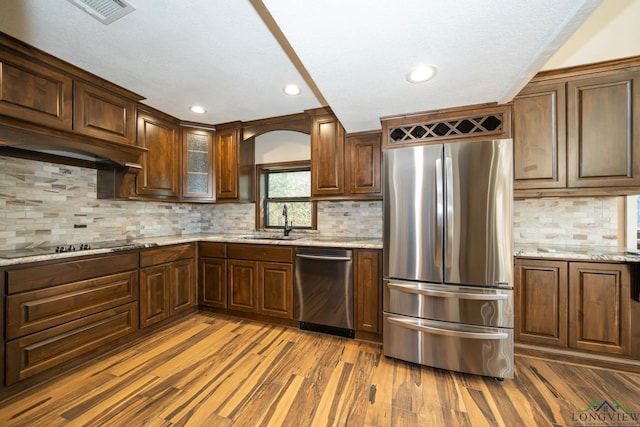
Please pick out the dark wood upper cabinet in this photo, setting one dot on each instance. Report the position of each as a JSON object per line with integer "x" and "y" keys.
{"x": 604, "y": 130}
{"x": 540, "y": 140}
{"x": 364, "y": 163}
{"x": 35, "y": 93}
{"x": 159, "y": 177}
{"x": 343, "y": 166}
{"x": 577, "y": 131}
{"x": 197, "y": 164}
{"x": 227, "y": 159}
{"x": 102, "y": 114}
{"x": 234, "y": 164}
{"x": 327, "y": 156}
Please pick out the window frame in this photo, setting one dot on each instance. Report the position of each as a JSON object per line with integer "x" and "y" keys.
{"x": 262, "y": 173}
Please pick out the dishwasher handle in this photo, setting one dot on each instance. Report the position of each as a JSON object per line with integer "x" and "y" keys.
{"x": 324, "y": 257}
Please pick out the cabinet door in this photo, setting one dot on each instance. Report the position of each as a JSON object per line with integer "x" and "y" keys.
{"x": 227, "y": 158}
{"x": 368, "y": 290}
{"x": 327, "y": 157}
{"x": 275, "y": 282}
{"x": 599, "y": 307}
{"x": 154, "y": 294}
{"x": 213, "y": 282}
{"x": 604, "y": 130}
{"x": 197, "y": 164}
{"x": 364, "y": 164}
{"x": 102, "y": 114}
{"x": 243, "y": 285}
{"x": 539, "y": 137}
{"x": 541, "y": 292}
{"x": 35, "y": 93}
{"x": 160, "y": 165}
{"x": 183, "y": 285}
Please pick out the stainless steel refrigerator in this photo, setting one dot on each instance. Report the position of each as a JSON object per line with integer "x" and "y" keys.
{"x": 448, "y": 257}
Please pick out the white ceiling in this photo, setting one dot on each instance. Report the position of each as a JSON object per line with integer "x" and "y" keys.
{"x": 234, "y": 56}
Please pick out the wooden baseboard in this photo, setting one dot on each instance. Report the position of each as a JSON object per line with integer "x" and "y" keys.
{"x": 578, "y": 358}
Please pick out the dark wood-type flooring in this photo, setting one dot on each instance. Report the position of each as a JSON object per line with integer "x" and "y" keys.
{"x": 211, "y": 370}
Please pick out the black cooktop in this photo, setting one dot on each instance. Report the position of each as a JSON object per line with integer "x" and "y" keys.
{"x": 77, "y": 247}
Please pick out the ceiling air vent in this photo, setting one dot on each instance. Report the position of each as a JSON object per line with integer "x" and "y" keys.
{"x": 105, "y": 11}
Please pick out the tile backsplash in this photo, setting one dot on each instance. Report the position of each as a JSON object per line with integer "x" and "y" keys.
{"x": 573, "y": 221}
{"x": 44, "y": 204}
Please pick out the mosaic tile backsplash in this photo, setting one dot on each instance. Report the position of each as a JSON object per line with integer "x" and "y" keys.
{"x": 44, "y": 203}
{"x": 573, "y": 221}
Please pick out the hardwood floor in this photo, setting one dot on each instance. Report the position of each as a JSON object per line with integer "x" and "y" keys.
{"x": 211, "y": 370}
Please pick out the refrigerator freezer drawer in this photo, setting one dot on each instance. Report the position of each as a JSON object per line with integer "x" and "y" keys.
{"x": 462, "y": 348}
{"x": 452, "y": 303}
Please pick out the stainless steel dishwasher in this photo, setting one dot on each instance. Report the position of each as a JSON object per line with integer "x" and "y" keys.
{"x": 324, "y": 290}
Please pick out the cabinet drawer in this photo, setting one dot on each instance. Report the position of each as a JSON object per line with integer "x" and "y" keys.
{"x": 36, "y": 353}
{"x": 37, "y": 310}
{"x": 58, "y": 273}
{"x": 213, "y": 250}
{"x": 260, "y": 252}
{"x": 166, "y": 254}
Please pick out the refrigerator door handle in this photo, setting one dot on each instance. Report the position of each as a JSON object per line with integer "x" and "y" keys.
{"x": 415, "y": 289}
{"x": 439, "y": 230}
{"x": 448, "y": 167}
{"x": 412, "y": 324}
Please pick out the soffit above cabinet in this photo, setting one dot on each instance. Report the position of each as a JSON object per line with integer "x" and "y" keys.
{"x": 235, "y": 57}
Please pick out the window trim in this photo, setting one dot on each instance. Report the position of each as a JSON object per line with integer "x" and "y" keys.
{"x": 261, "y": 200}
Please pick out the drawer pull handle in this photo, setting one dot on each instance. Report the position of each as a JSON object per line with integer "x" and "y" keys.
{"x": 413, "y": 289}
{"x": 410, "y": 324}
{"x": 324, "y": 258}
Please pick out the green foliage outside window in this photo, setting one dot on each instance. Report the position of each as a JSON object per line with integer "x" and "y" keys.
{"x": 293, "y": 188}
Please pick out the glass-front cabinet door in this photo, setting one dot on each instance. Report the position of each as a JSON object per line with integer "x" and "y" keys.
{"x": 197, "y": 164}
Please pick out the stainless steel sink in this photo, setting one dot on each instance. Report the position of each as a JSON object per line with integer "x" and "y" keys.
{"x": 271, "y": 237}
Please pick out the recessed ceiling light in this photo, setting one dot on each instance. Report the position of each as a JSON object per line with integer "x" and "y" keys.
{"x": 292, "y": 90}
{"x": 197, "y": 109}
{"x": 422, "y": 73}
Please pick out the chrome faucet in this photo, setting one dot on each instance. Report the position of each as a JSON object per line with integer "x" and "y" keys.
{"x": 287, "y": 228}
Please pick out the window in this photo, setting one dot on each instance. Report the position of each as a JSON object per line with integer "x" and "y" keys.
{"x": 285, "y": 184}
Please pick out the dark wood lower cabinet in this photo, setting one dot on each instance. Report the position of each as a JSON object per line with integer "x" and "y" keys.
{"x": 600, "y": 307}
{"x": 212, "y": 274}
{"x": 243, "y": 285}
{"x": 213, "y": 282}
{"x": 275, "y": 289}
{"x": 541, "y": 302}
{"x": 367, "y": 281}
{"x": 49, "y": 348}
{"x": 261, "y": 287}
{"x": 154, "y": 294}
{"x": 167, "y": 282}
{"x": 259, "y": 280}
{"x": 61, "y": 313}
{"x": 581, "y": 306}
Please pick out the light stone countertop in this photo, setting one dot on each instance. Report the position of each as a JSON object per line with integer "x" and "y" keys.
{"x": 305, "y": 239}
{"x": 575, "y": 253}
